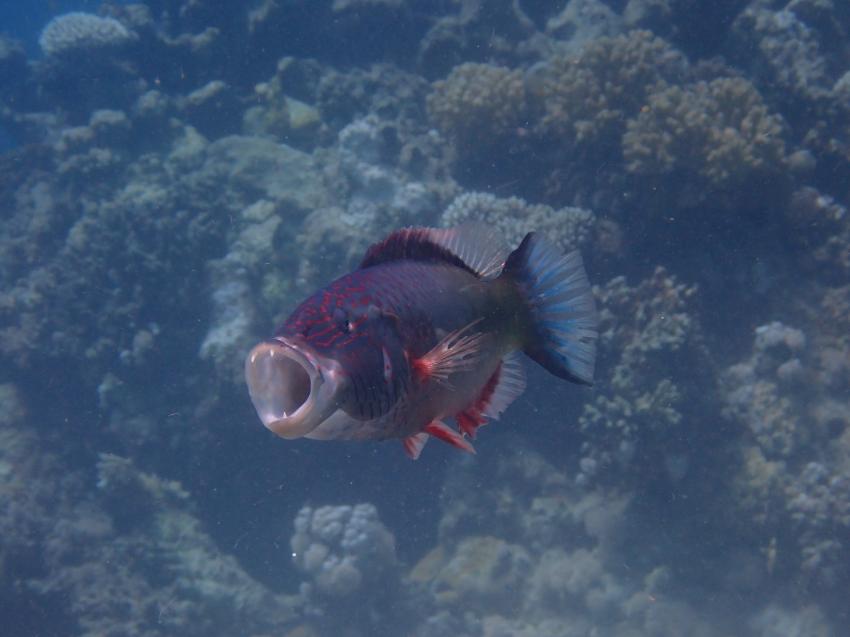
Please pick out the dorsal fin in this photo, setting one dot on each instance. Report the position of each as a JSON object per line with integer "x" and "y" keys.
{"x": 474, "y": 247}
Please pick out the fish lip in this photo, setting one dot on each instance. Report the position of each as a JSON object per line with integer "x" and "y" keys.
{"x": 293, "y": 390}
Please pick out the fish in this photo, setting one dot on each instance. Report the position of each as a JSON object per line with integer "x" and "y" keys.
{"x": 431, "y": 326}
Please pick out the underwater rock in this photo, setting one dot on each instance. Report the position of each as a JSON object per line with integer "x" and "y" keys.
{"x": 263, "y": 169}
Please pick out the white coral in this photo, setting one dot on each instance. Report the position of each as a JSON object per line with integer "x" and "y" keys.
{"x": 77, "y": 31}
{"x": 341, "y": 547}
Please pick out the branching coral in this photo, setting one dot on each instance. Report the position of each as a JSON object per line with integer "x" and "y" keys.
{"x": 719, "y": 134}
{"x": 479, "y": 105}
{"x": 755, "y": 394}
{"x": 785, "y": 48}
{"x": 819, "y": 506}
{"x": 586, "y": 97}
{"x": 653, "y": 333}
{"x": 535, "y": 555}
{"x": 792, "y": 488}
{"x": 136, "y": 560}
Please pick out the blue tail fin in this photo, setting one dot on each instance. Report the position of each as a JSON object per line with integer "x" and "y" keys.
{"x": 563, "y": 324}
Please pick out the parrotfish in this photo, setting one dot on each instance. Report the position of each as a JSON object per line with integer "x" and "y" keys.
{"x": 429, "y": 327}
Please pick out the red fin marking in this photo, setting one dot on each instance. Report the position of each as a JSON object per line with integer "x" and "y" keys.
{"x": 506, "y": 383}
{"x": 449, "y": 435}
{"x": 508, "y": 387}
{"x": 414, "y": 444}
{"x": 469, "y": 422}
{"x": 456, "y": 352}
{"x": 471, "y": 418}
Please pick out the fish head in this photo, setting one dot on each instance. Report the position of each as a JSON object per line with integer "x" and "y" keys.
{"x": 294, "y": 387}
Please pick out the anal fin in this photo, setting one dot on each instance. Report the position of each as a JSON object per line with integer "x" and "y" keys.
{"x": 447, "y": 434}
{"x": 414, "y": 444}
{"x": 503, "y": 387}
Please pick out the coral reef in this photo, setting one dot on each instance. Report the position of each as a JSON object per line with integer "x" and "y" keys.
{"x": 586, "y": 97}
{"x": 757, "y": 391}
{"x": 349, "y": 558}
{"x": 183, "y": 583}
{"x": 343, "y": 549}
{"x": 792, "y": 488}
{"x": 632, "y": 422}
{"x": 713, "y": 137}
{"x": 820, "y": 228}
{"x": 281, "y": 116}
{"x": 481, "y": 32}
{"x": 554, "y": 572}
{"x": 478, "y": 105}
{"x": 789, "y": 49}
{"x": 125, "y": 556}
{"x": 177, "y": 174}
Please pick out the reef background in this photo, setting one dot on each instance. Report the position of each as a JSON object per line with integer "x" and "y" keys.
{"x": 178, "y": 174}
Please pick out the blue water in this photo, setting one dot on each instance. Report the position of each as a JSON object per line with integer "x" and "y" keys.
{"x": 176, "y": 177}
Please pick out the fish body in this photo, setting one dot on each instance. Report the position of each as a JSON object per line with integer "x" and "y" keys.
{"x": 426, "y": 329}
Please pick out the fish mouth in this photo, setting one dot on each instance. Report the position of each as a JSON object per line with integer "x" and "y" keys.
{"x": 293, "y": 389}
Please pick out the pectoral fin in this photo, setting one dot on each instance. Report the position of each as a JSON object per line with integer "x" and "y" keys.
{"x": 458, "y": 351}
